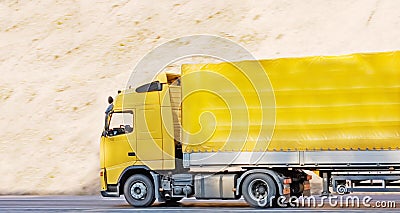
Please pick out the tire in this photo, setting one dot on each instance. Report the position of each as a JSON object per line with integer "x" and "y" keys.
{"x": 258, "y": 189}
{"x": 296, "y": 189}
{"x": 139, "y": 191}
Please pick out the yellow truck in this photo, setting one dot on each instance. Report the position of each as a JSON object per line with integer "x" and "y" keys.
{"x": 250, "y": 128}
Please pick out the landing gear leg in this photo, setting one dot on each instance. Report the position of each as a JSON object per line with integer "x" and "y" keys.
{"x": 326, "y": 176}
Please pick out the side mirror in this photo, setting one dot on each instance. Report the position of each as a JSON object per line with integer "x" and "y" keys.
{"x": 150, "y": 87}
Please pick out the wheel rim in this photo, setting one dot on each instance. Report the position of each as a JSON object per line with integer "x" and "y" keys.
{"x": 258, "y": 189}
{"x": 138, "y": 190}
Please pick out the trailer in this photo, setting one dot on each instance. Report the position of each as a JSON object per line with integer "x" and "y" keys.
{"x": 251, "y": 128}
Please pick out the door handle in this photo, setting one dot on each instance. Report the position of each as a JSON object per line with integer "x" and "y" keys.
{"x": 131, "y": 154}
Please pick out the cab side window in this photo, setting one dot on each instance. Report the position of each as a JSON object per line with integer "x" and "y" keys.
{"x": 121, "y": 123}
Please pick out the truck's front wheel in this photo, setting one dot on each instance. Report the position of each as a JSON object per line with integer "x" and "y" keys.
{"x": 139, "y": 191}
{"x": 258, "y": 189}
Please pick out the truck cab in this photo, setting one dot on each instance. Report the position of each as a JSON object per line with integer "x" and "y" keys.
{"x": 139, "y": 131}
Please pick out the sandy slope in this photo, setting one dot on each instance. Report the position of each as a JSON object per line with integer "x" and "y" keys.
{"x": 59, "y": 60}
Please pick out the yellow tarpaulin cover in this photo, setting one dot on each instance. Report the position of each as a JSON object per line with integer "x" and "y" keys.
{"x": 313, "y": 103}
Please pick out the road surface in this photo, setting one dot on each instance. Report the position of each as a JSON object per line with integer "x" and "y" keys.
{"x": 99, "y": 204}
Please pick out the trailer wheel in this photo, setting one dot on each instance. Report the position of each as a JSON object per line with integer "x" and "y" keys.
{"x": 139, "y": 191}
{"x": 296, "y": 189}
{"x": 258, "y": 189}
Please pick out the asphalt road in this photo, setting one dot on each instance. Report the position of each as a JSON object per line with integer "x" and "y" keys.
{"x": 99, "y": 204}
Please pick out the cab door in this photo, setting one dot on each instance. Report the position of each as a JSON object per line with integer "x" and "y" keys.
{"x": 149, "y": 136}
{"x": 119, "y": 144}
